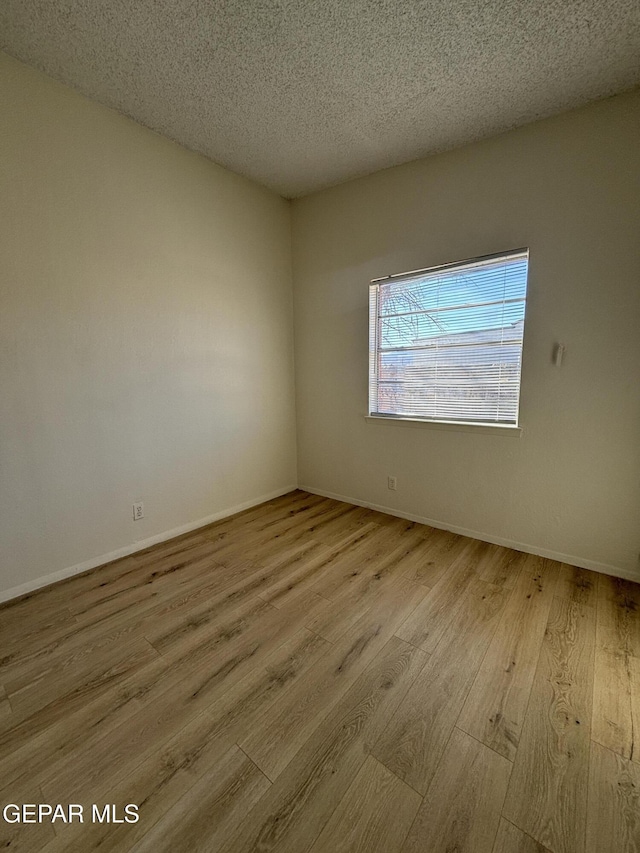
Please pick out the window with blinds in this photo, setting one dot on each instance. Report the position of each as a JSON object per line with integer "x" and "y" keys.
{"x": 445, "y": 344}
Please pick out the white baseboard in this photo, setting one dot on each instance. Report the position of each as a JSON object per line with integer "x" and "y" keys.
{"x": 571, "y": 559}
{"x": 126, "y": 550}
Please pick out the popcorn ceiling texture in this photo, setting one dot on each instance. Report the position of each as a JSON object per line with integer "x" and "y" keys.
{"x": 301, "y": 95}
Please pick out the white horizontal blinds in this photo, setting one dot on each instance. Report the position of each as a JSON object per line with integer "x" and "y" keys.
{"x": 373, "y": 347}
{"x": 446, "y": 344}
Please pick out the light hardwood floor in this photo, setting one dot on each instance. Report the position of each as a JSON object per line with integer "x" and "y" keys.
{"x": 313, "y": 676}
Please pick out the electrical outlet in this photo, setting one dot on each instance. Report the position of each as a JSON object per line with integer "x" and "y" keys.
{"x": 138, "y": 511}
{"x": 392, "y": 483}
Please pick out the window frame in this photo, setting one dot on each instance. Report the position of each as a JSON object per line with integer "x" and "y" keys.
{"x": 489, "y": 426}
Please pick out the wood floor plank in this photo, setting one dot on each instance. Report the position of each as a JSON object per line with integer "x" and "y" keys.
{"x": 293, "y": 503}
{"x": 440, "y": 550}
{"x": 19, "y": 629}
{"x": 616, "y": 695}
{"x": 284, "y": 729}
{"x": 5, "y": 705}
{"x": 206, "y": 816}
{"x": 236, "y": 639}
{"x": 49, "y": 599}
{"x": 225, "y": 585}
{"x": 348, "y": 567}
{"x": 258, "y": 518}
{"x": 461, "y": 809}
{"x": 24, "y": 837}
{"x": 121, "y": 575}
{"x": 188, "y": 561}
{"x": 415, "y": 739}
{"x": 67, "y": 648}
{"x": 195, "y": 627}
{"x": 428, "y": 623}
{"x": 263, "y": 523}
{"x": 619, "y": 615}
{"x": 510, "y": 839}
{"x": 495, "y": 708}
{"x": 296, "y": 555}
{"x": 379, "y": 558}
{"x": 616, "y": 702}
{"x": 124, "y": 622}
{"x": 614, "y": 803}
{"x": 501, "y": 566}
{"x": 28, "y": 720}
{"x": 335, "y": 620}
{"x": 267, "y": 537}
{"x": 290, "y": 816}
{"x": 171, "y": 767}
{"x": 374, "y": 815}
{"x": 32, "y": 746}
{"x": 348, "y": 550}
{"x": 350, "y": 520}
{"x": 58, "y": 727}
{"x": 72, "y": 678}
{"x": 264, "y": 538}
{"x": 577, "y": 584}
{"x": 191, "y": 623}
{"x": 547, "y": 795}
{"x": 170, "y": 701}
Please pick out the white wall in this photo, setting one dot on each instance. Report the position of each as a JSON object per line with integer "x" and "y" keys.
{"x": 569, "y": 189}
{"x": 145, "y": 333}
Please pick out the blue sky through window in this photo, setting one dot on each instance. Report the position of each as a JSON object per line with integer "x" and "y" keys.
{"x": 446, "y": 303}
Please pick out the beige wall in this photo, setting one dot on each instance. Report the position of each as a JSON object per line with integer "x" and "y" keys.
{"x": 569, "y": 189}
{"x": 145, "y": 333}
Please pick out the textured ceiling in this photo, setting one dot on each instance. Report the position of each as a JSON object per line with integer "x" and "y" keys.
{"x": 301, "y": 95}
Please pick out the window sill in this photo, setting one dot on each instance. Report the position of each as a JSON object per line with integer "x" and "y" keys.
{"x": 453, "y": 426}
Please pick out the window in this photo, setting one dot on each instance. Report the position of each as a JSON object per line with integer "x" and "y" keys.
{"x": 445, "y": 344}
